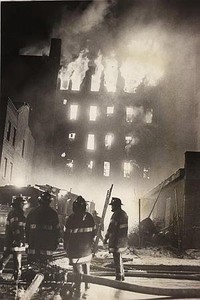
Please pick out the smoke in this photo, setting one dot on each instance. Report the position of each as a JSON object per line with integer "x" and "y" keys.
{"x": 37, "y": 50}
{"x": 155, "y": 44}
{"x": 92, "y": 17}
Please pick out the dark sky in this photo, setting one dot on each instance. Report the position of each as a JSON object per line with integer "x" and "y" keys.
{"x": 28, "y": 22}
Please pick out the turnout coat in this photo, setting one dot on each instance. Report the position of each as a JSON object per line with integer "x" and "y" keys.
{"x": 15, "y": 230}
{"x": 42, "y": 231}
{"x": 117, "y": 231}
{"x": 80, "y": 231}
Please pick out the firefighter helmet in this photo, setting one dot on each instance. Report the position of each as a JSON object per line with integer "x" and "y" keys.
{"x": 79, "y": 204}
{"x": 45, "y": 197}
{"x": 17, "y": 200}
{"x": 115, "y": 202}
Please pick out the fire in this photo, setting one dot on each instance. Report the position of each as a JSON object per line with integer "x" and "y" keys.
{"x": 142, "y": 61}
{"x": 111, "y": 73}
{"x": 74, "y": 72}
{"x": 96, "y": 77}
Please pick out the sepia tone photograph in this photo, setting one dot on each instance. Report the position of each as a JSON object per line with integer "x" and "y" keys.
{"x": 100, "y": 150}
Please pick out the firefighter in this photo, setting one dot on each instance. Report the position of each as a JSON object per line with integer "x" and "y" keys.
{"x": 80, "y": 231}
{"x": 42, "y": 230}
{"x": 14, "y": 237}
{"x": 117, "y": 236}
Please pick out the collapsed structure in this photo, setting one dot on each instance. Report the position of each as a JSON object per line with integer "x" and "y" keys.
{"x": 174, "y": 205}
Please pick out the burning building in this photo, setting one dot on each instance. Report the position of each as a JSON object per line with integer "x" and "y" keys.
{"x": 104, "y": 129}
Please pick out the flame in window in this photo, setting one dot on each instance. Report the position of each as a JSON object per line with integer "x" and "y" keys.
{"x": 73, "y": 112}
{"x": 127, "y": 169}
{"x": 93, "y": 113}
{"x": 72, "y": 136}
{"x": 106, "y": 168}
{"x": 110, "y": 111}
{"x": 96, "y": 77}
{"x": 111, "y": 73}
{"x": 74, "y": 72}
{"x": 109, "y": 140}
{"x": 90, "y": 142}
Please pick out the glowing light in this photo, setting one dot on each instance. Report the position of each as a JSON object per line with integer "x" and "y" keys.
{"x": 65, "y": 101}
{"x": 19, "y": 181}
{"x": 93, "y": 113}
{"x": 70, "y": 163}
{"x": 129, "y": 114}
{"x": 146, "y": 171}
{"x": 127, "y": 169}
{"x": 63, "y": 154}
{"x": 90, "y": 142}
{"x": 110, "y": 111}
{"x": 109, "y": 140}
{"x": 128, "y": 139}
{"x": 90, "y": 164}
{"x": 74, "y": 72}
{"x": 111, "y": 73}
{"x": 96, "y": 77}
{"x": 149, "y": 116}
{"x": 72, "y": 136}
{"x": 144, "y": 63}
{"x": 73, "y": 112}
{"x": 106, "y": 168}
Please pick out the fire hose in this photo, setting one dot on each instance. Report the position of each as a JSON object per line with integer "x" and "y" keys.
{"x": 171, "y": 292}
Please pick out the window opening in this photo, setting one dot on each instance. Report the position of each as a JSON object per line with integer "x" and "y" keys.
{"x": 109, "y": 140}
{"x": 129, "y": 114}
{"x": 106, "y": 168}
{"x": 110, "y": 111}
{"x": 90, "y": 142}
{"x": 8, "y": 130}
{"x": 73, "y": 112}
{"x": 127, "y": 169}
{"x": 93, "y": 113}
{"x": 72, "y": 136}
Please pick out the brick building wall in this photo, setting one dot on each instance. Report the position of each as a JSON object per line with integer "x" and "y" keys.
{"x": 18, "y": 146}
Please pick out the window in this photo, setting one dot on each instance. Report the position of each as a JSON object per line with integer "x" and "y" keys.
{"x": 129, "y": 114}
{"x": 93, "y": 113}
{"x": 90, "y": 164}
{"x": 110, "y": 111}
{"x": 70, "y": 163}
{"x": 149, "y": 116}
{"x": 70, "y": 166}
{"x": 109, "y": 140}
{"x": 90, "y": 142}
{"x": 11, "y": 171}
{"x": 106, "y": 168}
{"x": 72, "y": 136}
{"x": 128, "y": 139}
{"x": 23, "y": 147}
{"x": 5, "y": 167}
{"x": 73, "y": 112}
{"x": 14, "y": 135}
{"x": 146, "y": 172}
{"x": 127, "y": 169}
{"x": 8, "y": 130}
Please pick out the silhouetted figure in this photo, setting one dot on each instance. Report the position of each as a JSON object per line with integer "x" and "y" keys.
{"x": 14, "y": 237}
{"x": 79, "y": 236}
{"x": 117, "y": 236}
{"x": 42, "y": 230}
